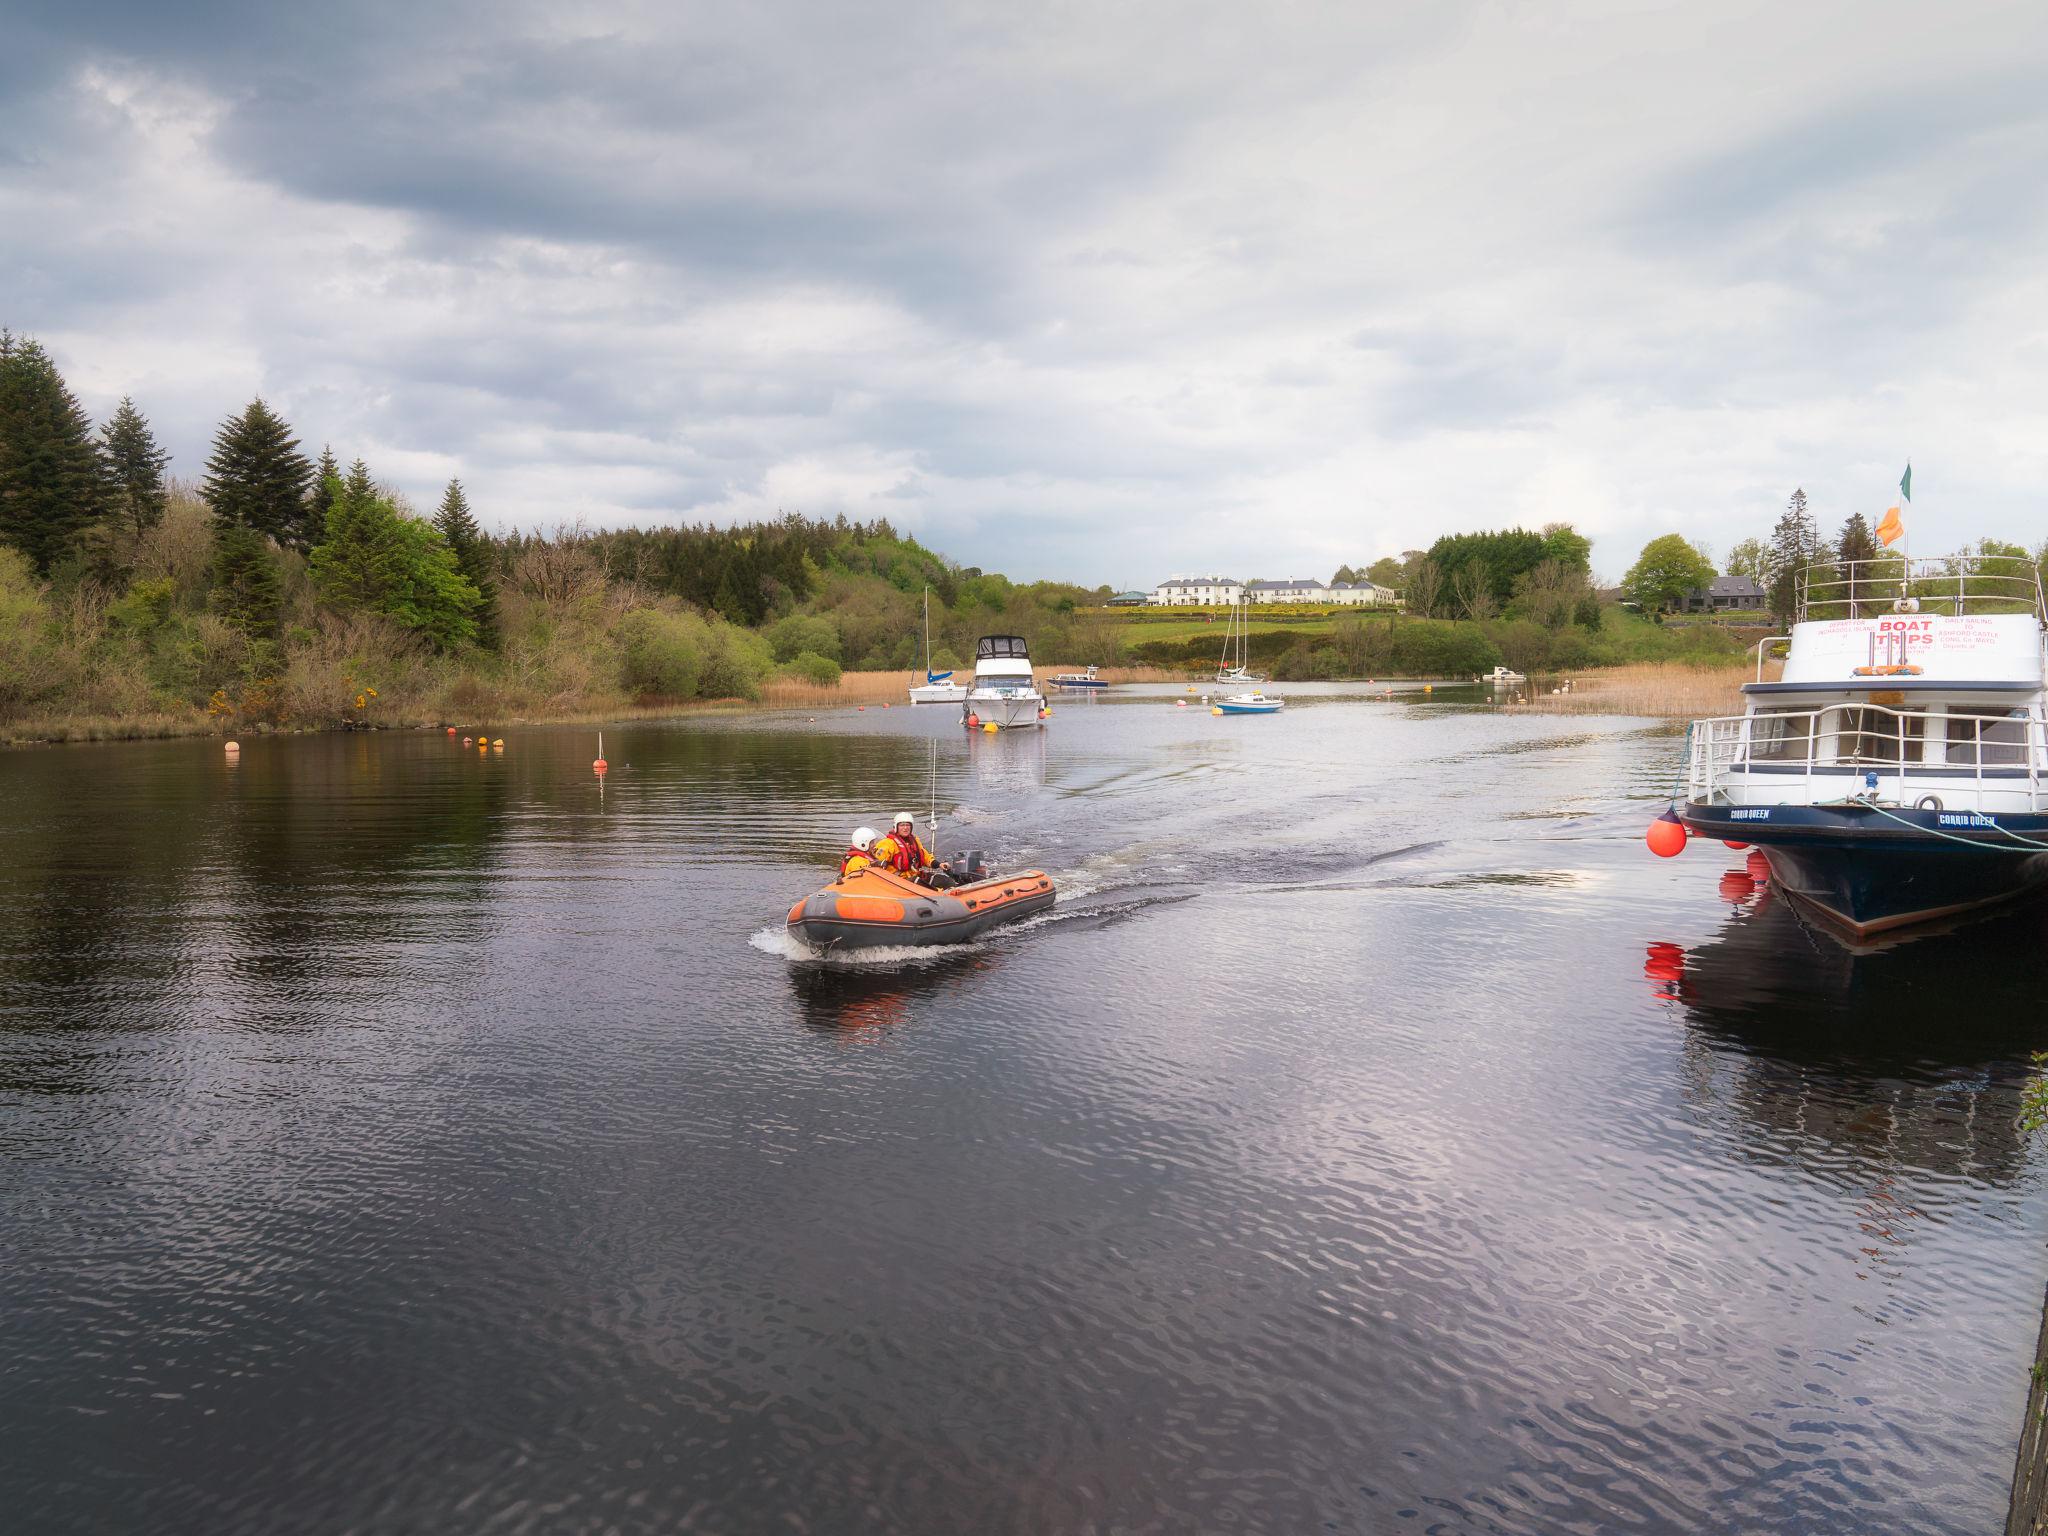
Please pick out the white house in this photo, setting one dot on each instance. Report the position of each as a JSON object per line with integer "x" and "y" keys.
{"x": 1363, "y": 594}
{"x": 1189, "y": 591}
{"x": 1288, "y": 592}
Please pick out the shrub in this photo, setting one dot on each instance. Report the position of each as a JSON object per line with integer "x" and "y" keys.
{"x": 660, "y": 654}
{"x": 801, "y": 633}
{"x": 813, "y": 668}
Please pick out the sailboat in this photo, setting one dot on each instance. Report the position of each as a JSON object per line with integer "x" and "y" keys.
{"x": 935, "y": 689}
{"x": 1237, "y": 642}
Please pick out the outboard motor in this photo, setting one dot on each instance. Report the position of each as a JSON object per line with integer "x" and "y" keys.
{"x": 969, "y": 867}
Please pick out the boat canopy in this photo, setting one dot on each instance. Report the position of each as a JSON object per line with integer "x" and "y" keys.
{"x": 935, "y": 677}
{"x": 1008, "y": 647}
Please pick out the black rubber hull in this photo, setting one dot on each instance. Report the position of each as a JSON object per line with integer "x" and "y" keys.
{"x": 1872, "y": 871}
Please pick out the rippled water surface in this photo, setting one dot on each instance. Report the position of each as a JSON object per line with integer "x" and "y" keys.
{"x": 401, "y": 1139}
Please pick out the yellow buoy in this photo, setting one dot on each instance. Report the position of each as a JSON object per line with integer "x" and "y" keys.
{"x": 499, "y": 742}
{"x": 991, "y": 727}
{"x": 1429, "y": 687}
{"x": 1214, "y": 710}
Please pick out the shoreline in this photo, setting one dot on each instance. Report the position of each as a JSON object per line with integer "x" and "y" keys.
{"x": 1659, "y": 690}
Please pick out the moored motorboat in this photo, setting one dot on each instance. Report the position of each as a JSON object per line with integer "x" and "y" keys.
{"x": 1895, "y": 772}
{"x": 1502, "y": 677}
{"x": 1003, "y": 693}
{"x": 1086, "y": 679}
{"x": 875, "y": 907}
{"x": 1252, "y": 703}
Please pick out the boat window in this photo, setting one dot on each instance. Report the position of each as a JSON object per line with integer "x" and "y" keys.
{"x": 991, "y": 646}
{"x": 1868, "y": 735}
{"x": 1780, "y": 735}
{"x": 1993, "y": 738}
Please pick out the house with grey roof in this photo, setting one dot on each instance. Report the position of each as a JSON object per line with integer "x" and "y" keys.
{"x": 1725, "y": 594}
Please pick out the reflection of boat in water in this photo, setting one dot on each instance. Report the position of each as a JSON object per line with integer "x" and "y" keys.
{"x": 876, "y": 907}
{"x": 1252, "y": 703}
{"x": 1904, "y": 1053}
{"x": 1895, "y": 772}
{"x": 1004, "y": 693}
{"x": 1086, "y": 679}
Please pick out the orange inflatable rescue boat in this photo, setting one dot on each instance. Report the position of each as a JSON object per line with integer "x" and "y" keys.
{"x": 878, "y": 906}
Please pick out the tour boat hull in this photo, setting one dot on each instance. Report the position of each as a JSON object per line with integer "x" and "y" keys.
{"x": 1871, "y": 869}
{"x": 874, "y": 908}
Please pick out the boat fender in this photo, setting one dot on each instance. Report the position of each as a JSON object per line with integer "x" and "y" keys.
{"x": 1666, "y": 836}
{"x": 1927, "y": 803}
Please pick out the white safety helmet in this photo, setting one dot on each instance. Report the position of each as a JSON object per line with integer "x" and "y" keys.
{"x": 864, "y": 838}
{"x": 902, "y": 817}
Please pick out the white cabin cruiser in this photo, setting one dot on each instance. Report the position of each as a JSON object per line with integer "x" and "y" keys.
{"x": 1003, "y": 692}
{"x": 1898, "y": 770}
{"x": 1502, "y": 677}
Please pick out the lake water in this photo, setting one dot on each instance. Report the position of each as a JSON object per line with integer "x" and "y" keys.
{"x": 395, "y": 1138}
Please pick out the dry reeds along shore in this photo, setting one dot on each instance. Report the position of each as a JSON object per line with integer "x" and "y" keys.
{"x": 1663, "y": 690}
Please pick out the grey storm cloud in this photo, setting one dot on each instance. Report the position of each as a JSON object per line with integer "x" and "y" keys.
{"x": 1089, "y": 293}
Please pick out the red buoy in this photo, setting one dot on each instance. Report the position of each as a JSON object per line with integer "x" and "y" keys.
{"x": 1666, "y": 836}
{"x": 1729, "y": 842}
{"x": 451, "y": 730}
{"x": 974, "y": 722}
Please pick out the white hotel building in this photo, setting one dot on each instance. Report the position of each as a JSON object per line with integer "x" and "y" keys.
{"x": 1221, "y": 591}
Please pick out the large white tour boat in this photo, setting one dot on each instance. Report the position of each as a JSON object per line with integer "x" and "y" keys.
{"x": 1894, "y": 772}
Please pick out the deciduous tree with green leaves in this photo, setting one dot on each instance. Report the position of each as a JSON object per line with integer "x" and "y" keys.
{"x": 1667, "y": 569}
{"x": 377, "y": 559}
{"x": 257, "y": 477}
{"x": 53, "y": 482}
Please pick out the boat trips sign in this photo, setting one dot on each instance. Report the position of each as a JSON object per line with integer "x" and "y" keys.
{"x": 1940, "y": 647}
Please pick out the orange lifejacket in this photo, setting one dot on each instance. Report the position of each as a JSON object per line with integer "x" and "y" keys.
{"x": 904, "y": 854}
{"x": 854, "y": 861}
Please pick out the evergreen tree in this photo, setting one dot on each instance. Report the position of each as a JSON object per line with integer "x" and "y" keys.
{"x": 359, "y": 486}
{"x": 320, "y": 500}
{"x": 53, "y": 482}
{"x": 377, "y": 559}
{"x": 1857, "y": 547}
{"x": 246, "y": 589}
{"x": 1795, "y": 545}
{"x": 135, "y": 469}
{"x": 472, "y": 553}
{"x": 257, "y": 476}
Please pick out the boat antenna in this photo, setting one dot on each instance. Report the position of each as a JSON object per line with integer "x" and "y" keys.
{"x": 934, "y": 822}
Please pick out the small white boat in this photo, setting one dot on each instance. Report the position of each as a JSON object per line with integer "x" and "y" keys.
{"x": 1502, "y": 677}
{"x": 1252, "y": 703}
{"x": 1086, "y": 679}
{"x": 935, "y": 689}
{"x": 1004, "y": 693}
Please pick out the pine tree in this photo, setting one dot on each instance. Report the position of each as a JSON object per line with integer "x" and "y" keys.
{"x": 246, "y": 589}
{"x": 257, "y": 477}
{"x": 135, "y": 468}
{"x": 377, "y": 559}
{"x": 53, "y": 482}
{"x": 472, "y": 557}
{"x": 1857, "y": 547}
{"x": 320, "y": 500}
{"x": 359, "y": 486}
{"x": 1795, "y": 544}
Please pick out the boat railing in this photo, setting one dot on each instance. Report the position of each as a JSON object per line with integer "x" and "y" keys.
{"x": 1763, "y": 651}
{"x": 1835, "y": 752}
{"x": 1945, "y": 584}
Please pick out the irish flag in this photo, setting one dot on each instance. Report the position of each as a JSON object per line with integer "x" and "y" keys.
{"x": 1889, "y": 527}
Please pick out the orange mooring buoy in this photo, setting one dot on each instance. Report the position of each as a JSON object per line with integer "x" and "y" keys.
{"x": 1666, "y": 836}
{"x": 451, "y": 730}
{"x": 600, "y": 765}
{"x": 974, "y": 722}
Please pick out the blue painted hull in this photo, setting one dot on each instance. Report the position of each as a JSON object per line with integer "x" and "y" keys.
{"x": 1872, "y": 870}
{"x": 1249, "y": 709}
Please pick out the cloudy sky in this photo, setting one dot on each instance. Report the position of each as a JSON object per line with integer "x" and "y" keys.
{"x": 1083, "y": 290}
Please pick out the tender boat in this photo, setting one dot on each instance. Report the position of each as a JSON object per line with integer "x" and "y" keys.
{"x": 1253, "y": 703}
{"x": 1502, "y": 677}
{"x": 1003, "y": 693}
{"x": 936, "y": 689}
{"x": 874, "y": 907}
{"x": 1086, "y": 679}
{"x": 1895, "y": 772}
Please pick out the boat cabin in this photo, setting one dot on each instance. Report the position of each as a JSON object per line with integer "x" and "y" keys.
{"x": 1917, "y": 684}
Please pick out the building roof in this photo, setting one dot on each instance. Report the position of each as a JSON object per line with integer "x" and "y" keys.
{"x": 1288, "y": 586}
{"x": 1730, "y": 586}
{"x": 1200, "y": 581}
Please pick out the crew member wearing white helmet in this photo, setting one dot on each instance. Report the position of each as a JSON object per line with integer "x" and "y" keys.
{"x": 902, "y": 852}
{"x": 861, "y": 855}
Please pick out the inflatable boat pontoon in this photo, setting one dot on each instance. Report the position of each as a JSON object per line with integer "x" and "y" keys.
{"x": 878, "y": 906}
